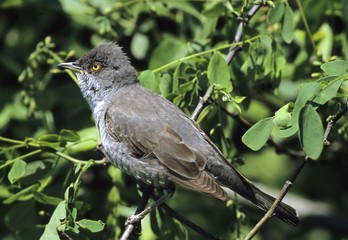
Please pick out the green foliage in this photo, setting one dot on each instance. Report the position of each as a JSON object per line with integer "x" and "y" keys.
{"x": 288, "y": 77}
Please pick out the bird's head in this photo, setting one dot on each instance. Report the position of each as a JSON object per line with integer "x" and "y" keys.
{"x": 102, "y": 71}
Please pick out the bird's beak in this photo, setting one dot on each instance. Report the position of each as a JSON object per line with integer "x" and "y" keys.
{"x": 71, "y": 65}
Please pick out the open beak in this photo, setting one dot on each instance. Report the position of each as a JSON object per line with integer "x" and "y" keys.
{"x": 71, "y": 65}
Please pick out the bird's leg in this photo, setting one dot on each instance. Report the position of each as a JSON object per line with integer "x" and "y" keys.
{"x": 139, "y": 216}
{"x": 101, "y": 149}
{"x": 147, "y": 192}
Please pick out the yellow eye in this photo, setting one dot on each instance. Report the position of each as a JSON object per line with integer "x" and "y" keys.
{"x": 96, "y": 67}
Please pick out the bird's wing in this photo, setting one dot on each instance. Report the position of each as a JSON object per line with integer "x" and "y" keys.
{"x": 146, "y": 133}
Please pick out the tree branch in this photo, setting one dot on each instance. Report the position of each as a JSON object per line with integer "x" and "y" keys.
{"x": 131, "y": 226}
{"x": 332, "y": 122}
{"x": 232, "y": 52}
{"x": 288, "y": 184}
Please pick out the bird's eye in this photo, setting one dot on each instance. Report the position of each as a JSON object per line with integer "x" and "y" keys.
{"x": 96, "y": 67}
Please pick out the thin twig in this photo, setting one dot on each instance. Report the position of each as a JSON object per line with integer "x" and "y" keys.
{"x": 144, "y": 199}
{"x": 332, "y": 122}
{"x": 293, "y": 177}
{"x": 232, "y": 52}
{"x": 288, "y": 184}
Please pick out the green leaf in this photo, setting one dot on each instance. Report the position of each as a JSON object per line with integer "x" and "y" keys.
{"x": 21, "y": 216}
{"x": 51, "y": 229}
{"x": 51, "y": 138}
{"x": 311, "y": 132}
{"x": 165, "y": 84}
{"x": 167, "y": 51}
{"x": 258, "y": 134}
{"x": 337, "y": 68}
{"x": 288, "y": 27}
{"x": 22, "y": 195}
{"x": 69, "y": 135}
{"x": 218, "y": 73}
{"x": 139, "y": 45}
{"x": 91, "y": 225}
{"x": 147, "y": 79}
{"x": 329, "y": 91}
{"x": 213, "y": 9}
{"x": 282, "y": 117}
{"x": 44, "y": 199}
{"x": 276, "y": 14}
{"x": 307, "y": 91}
{"x": 17, "y": 171}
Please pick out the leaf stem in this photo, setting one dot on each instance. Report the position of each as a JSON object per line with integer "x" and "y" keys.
{"x": 230, "y": 45}
{"x": 304, "y": 19}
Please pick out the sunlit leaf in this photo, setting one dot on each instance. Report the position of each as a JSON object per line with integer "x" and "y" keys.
{"x": 91, "y": 225}
{"x": 311, "y": 132}
{"x": 218, "y": 73}
{"x": 257, "y": 136}
{"x": 337, "y": 68}
{"x": 17, "y": 171}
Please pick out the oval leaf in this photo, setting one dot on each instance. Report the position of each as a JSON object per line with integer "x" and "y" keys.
{"x": 148, "y": 80}
{"x": 91, "y": 225}
{"x": 258, "y": 134}
{"x": 170, "y": 49}
{"x": 17, "y": 171}
{"x": 288, "y": 27}
{"x": 311, "y": 132}
{"x": 276, "y": 14}
{"x": 338, "y": 67}
{"x": 218, "y": 73}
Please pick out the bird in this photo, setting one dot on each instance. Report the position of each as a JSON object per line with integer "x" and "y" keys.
{"x": 151, "y": 139}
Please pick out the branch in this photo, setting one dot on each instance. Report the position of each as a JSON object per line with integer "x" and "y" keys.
{"x": 144, "y": 199}
{"x": 232, "y": 52}
{"x": 332, "y": 122}
{"x": 288, "y": 184}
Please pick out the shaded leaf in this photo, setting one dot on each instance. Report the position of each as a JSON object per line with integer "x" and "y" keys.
{"x": 276, "y": 14}
{"x": 24, "y": 194}
{"x": 311, "y": 132}
{"x": 168, "y": 50}
{"x": 44, "y": 199}
{"x": 288, "y": 27}
{"x": 69, "y": 135}
{"x": 213, "y": 9}
{"x": 258, "y": 134}
{"x": 21, "y": 216}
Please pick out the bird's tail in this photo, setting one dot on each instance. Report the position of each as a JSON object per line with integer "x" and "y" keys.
{"x": 283, "y": 211}
{"x": 242, "y": 186}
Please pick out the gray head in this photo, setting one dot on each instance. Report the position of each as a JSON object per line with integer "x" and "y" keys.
{"x": 102, "y": 71}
